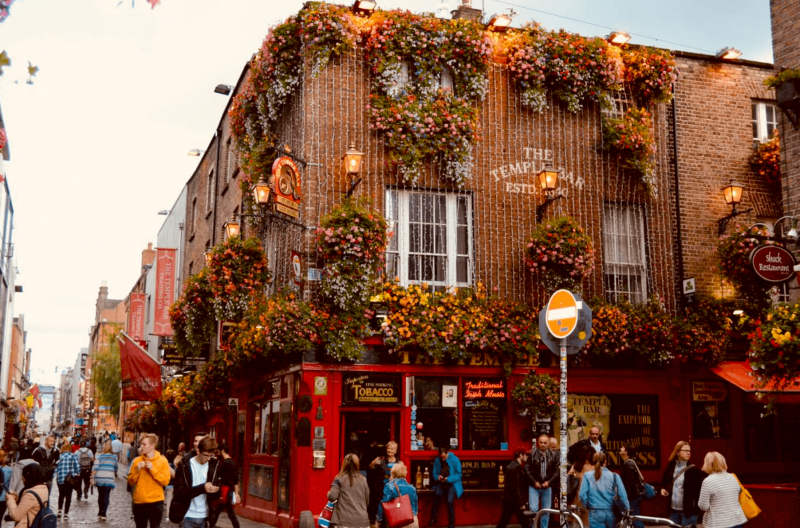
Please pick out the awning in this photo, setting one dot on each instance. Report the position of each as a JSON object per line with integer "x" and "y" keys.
{"x": 739, "y": 373}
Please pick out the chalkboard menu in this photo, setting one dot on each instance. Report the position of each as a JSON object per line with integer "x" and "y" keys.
{"x": 622, "y": 419}
{"x": 475, "y": 474}
{"x": 484, "y": 424}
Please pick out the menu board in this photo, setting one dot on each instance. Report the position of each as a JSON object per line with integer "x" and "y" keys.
{"x": 475, "y": 474}
{"x": 484, "y": 422}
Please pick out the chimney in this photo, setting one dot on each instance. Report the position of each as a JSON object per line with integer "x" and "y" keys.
{"x": 466, "y": 11}
{"x": 148, "y": 256}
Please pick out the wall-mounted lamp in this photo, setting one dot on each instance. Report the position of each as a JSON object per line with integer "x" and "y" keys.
{"x": 364, "y": 7}
{"x": 729, "y": 54}
{"x": 208, "y": 254}
{"x": 352, "y": 165}
{"x": 733, "y": 196}
{"x": 196, "y": 152}
{"x": 261, "y": 192}
{"x": 500, "y": 23}
{"x": 548, "y": 179}
{"x": 231, "y": 227}
{"x": 618, "y": 38}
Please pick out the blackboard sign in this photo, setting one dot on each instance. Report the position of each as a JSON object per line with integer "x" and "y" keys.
{"x": 484, "y": 424}
{"x": 260, "y": 482}
{"x": 475, "y": 474}
{"x": 371, "y": 389}
{"x": 622, "y": 419}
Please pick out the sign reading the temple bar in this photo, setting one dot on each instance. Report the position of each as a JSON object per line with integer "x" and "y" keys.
{"x": 136, "y": 316}
{"x": 371, "y": 389}
{"x": 773, "y": 263}
{"x": 286, "y": 185}
{"x": 165, "y": 290}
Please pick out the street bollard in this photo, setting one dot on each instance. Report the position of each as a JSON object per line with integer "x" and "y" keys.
{"x": 306, "y": 519}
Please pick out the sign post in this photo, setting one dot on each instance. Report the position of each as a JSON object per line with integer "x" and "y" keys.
{"x": 561, "y": 317}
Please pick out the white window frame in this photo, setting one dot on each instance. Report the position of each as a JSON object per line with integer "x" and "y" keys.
{"x": 620, "y": 215}
{"x": 400, "y": 229}
{"x": 762, "y": 120}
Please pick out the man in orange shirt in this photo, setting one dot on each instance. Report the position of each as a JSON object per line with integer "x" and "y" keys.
{"x": 148, "y": 476}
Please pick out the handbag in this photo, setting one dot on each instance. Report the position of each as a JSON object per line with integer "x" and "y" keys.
{"x": 327, "y": 512}
{"x": 749, "y": 506}
{"x": 398, "y": 511}
{"x": 619, "y": 505}
{"x": 649, "y": 491}
{"x": 73, "y": 482}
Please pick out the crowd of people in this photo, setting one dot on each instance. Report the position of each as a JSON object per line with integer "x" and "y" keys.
{"x": 532, "y": 482}
{"x": 192, "y": 489}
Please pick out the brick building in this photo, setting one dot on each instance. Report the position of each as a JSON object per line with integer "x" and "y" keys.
{"x": 646, "y": 246}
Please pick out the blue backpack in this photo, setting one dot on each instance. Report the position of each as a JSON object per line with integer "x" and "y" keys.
{"x": 45, "y": 518}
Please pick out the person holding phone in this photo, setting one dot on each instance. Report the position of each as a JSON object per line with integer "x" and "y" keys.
{"x": 197, "y": 482}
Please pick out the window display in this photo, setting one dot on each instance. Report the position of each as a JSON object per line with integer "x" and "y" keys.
{"x": 435, "y": 421}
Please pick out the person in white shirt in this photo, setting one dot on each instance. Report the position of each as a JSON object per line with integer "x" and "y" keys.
{"x": 719, "y": 495}
{"x": 198, "y": 481}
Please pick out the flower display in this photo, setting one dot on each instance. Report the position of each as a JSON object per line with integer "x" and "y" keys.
{"x": 775, "y": 348}
{"x": 784, "y": 75}
{"x": 650, "y": 332}
{"x": 192, "y": 316}
{"x": 352, "y": 241}
{"x": 278, "y": 324}
{"x": 702, "y": 332}
{"x": 631, "y": 138}
{"x": 734, "y": 262}
{"x": 649, "y": 74}
{"x": 5, "y": 5}
{"x": 3, "y": 138}
{"x": 536, "y": 394}
{"x": 575, "y": 69}
{"x": 765, "y": 161}
{"x": 560, "y": 254}
{"x": 610, "y": 329}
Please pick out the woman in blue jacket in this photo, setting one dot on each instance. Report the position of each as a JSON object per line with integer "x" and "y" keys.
{"x": 398, "y": 485}
{"x": 597, "y": 493}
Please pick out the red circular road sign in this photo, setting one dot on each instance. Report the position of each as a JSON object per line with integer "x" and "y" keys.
{"x": 562, "y": 314}
{"x": 773, "y": 263}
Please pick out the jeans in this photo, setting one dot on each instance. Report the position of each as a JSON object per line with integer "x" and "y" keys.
{"x": 64, "y": 495}
{"x": 190, "y": 522}
{"x": 227, "y": 507}
{"x": 149, "y": 512}
{"x": 103, "y": 496}
{"x": 602, "y": 519}
{"x": 636, "y": 509}
{"x": 86, "y": 477}
{"x": 678, "y": 517}
{"x": 447, "y": 490}
{"x": 546, "y": 495}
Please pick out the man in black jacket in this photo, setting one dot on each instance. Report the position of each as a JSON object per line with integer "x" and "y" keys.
{"x": 595, "y": 441}
{"x": 47, "y": 456}
{"x": 197, "y": 482}
{"x": 515, "y": 491}
{"x": 542, "y": 471}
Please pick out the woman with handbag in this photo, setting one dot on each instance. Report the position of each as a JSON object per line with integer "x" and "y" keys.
{"x": 351, "y": 494}
{"x": 719, "y": 495}
{"x": 603, "y": 493}
{"x": 682, "y": 481}
{"x": 396, "y": 487}
{"x": 68, "y": 473}
{"x": 379, "y": 474}
{"x": 633, "y": 481}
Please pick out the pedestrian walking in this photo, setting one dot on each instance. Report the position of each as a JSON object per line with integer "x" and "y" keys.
{"x": 197, "y": 482}
{"x": 169, "y": 488}
{"x": 5, "y": 469}
{"x": 380, "y": 471}
{"x": 597, "y": 494}
{"x": 104, "y": 470}
{"x": 542, "y": 472}
{"x": 447, "y": 484}
{"x": 396, "y": 486}
{"x": 193, "y": 452}
{"x": 515, "y": 490}
{"x": 85, "y": 458}
{"x": 229, "y": 488}
{"x": 116, "y": 446}
{"x": 351, "y": 491}
{"x": 23, "y": 508}
{"x": 581, "y": 467}
{"x": 148, "y": 475}
{"x": 682, "y": 481}
{"x": 595, "y": 441}
{"x": 68, "y": 470}
{"x": 719, "y": 495}
{"x": 631, "y": 477}
{"x": 47, "y": 457}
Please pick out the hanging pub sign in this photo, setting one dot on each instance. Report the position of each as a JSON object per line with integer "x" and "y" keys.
{"x": 286, "y": 186}
{"x": 773, "y": 263}
{"x": 371, "y": 389}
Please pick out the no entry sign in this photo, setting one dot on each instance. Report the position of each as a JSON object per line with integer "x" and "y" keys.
{"x": 562, "y": 314}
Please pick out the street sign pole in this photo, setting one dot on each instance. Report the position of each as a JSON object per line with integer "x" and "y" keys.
{"x": 562, "y": 400}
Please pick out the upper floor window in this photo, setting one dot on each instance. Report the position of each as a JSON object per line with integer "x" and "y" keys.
{"x": 230, "y": 164}
{"x": 210, "y": 192}
{"x": 432, "y": 240}
{"x": 193, "y": 217}
{"x": 624, "y": 258}
{"x": 765, "y": 120}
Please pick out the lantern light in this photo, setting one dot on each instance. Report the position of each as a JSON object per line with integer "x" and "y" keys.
{"x": 729, "y": 53}
{"x": 261, "y": 192}
{"x": 352, "y": 160}
{"x": 733, "y": 193}
{"x": 618, "y": 38}
{"x": 548, "y": 178}
{"x": 231, "y": 228}
{"x": 499, "y": 23}
{"x": 209, "y": 254}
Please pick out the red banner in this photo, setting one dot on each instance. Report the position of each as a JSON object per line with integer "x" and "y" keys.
{"x": 136, "y": 316}
{"x": 165, "y": 291}
{"x": 141, "y": 375}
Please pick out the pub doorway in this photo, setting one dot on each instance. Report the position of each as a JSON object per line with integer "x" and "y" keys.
{"x": 366, "y": 433}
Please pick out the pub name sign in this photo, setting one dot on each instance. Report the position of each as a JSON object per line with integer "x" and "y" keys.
{"x": 773, "y": 263}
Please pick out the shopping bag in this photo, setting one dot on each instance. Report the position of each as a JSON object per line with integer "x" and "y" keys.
{"x": 398, "y": 511}
{"x": 749, "y": 506}
{"x": 325, "y": 517}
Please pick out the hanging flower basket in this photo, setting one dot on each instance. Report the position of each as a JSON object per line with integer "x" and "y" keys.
{"x": 536, "y": 394}
{"x": 775, "y": 348}
{"x": 560, "y": 254}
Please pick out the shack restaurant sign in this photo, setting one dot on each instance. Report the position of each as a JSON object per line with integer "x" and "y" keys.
{"x": 773, "y": 263}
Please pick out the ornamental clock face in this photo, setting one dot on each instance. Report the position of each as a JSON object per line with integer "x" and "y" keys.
{"x": 287, "y": 182}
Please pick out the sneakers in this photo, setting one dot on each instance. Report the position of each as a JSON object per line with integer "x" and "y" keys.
{"x": 66, "y": 516}
{"x": 102, "y": 517}
{"x": 59, "y": 513}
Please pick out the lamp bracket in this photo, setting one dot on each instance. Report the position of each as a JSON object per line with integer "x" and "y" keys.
{"x": 540, "y": 210}
{"x": 352, "y": 188}
{"x": 791, "y": 109}
{"x": 283, "y": 149}
{"x": 722, "y": 223}
{"x": 270, "y": 214}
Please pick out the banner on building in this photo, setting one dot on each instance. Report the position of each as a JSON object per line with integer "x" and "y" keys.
{"x": 165, "y": 290}
{"x": 136, "y": 316}
{"x": 141, "y": 374}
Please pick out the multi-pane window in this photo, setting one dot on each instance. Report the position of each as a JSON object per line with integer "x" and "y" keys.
{"x": 432, "y": 240}
{"x": 210, "y": 192}
{"x": 765, "y": 120}
{"x": 193, "y": 218}
{"x": 624, "y": 257}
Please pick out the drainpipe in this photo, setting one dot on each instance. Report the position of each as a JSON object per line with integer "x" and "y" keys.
{"x": 678, "y": 223}
{"x": 216, "y": 189}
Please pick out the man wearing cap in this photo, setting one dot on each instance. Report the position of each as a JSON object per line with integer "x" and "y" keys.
{"x": 515, "y": 491}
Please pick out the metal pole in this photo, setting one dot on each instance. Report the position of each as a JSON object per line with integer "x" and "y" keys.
{"x": 562, "y": 397}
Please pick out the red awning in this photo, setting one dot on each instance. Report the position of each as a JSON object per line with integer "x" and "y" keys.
{"x": 739, "y": 373}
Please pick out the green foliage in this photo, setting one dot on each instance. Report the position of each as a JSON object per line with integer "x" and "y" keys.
{"x": 775, "y": 348}
{"x": 536, "y": 394}
{"x": 630, "y": 137}
{"x": 734, "y": 263}
{"x": 781, "y": 77}
{"x": 106, "y": 375}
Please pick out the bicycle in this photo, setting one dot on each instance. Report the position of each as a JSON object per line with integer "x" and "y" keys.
{"x": 569, "y": 515}
{"x": 628, "y": 519}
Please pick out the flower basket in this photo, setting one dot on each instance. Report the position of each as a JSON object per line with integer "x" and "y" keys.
{"x": 788, "y": 93}
{"x": 775, "y": 348}
{"x": 560, "y": 254}
{"x": 536, "y": 394}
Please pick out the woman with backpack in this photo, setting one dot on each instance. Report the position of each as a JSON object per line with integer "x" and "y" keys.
{"x": 34, "y": 497}
{"x": 67, "y": 467}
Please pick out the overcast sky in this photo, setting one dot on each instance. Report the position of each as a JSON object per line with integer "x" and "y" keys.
{"x": 99, "y": 141}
